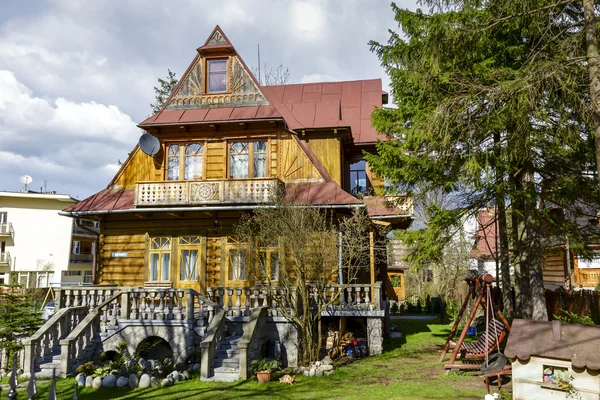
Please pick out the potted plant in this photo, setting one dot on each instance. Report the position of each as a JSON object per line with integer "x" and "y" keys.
{"x": 264, "y": 368}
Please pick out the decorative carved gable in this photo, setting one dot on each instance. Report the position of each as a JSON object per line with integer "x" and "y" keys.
{"x": 217, "y": 38}
{"x": 242, "y": 89}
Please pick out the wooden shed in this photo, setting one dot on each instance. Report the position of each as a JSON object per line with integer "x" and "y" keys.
{"x": 551, "y": 358}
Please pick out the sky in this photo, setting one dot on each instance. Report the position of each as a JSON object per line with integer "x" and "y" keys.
{"x": 76, "y": 76}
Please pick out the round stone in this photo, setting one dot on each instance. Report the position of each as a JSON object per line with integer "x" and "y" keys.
{"x": 176, "y": 376}
{"x": 97, "y": 383}
{"x": 166, "y": 382}
{"x": 185, "y": 375}
{"x": 109, "y": 381}
{"x": 154, "y": 382}
{"x": 122, "y": 382}
{"x": 144, "y": 381}
{"x": 88, "y": 381}
{"x": 133, "y": 381}
{"x": 319, "y": 373}
{"x": 80, "y": 379}
{"x": 326, "y": 367}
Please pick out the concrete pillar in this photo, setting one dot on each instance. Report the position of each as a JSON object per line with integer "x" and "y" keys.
{"x": 375, "y": 335}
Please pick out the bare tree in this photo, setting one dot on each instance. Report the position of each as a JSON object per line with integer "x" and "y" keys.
{"x": 272, "y": 77}
{"x": 307, "y": 240}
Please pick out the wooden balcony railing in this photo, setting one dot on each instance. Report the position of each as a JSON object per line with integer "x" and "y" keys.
{"x": 6, "y": 229}
{"x": 589, "y": 277}
{"x": 403, "y": 202}
{"x": 205, "y": 192}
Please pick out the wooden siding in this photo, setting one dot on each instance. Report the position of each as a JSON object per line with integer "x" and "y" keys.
{"x": 127, "y": 271}
{"x": 216, "y": 160}
{"x": 130, "y": 234}
{"x": 293, "y": 162}
{"x": 554, "y": 268}
{"x": 377, "y": 182}
{"x": 329, "y": 152}
{"x": 139, "y": 167}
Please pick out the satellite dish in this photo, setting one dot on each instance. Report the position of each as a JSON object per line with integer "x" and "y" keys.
{"x": 149, "y": 144}
{"x": 26, "y": 179}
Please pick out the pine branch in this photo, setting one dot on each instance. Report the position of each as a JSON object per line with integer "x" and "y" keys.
{"x": 530, "y": 12}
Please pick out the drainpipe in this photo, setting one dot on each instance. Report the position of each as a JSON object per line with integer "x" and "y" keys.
{"x": 96, "y": 245}
{"x": 340, "y": 276}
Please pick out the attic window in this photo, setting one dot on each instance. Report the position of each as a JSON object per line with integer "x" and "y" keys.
{"x": 217, "y": 76}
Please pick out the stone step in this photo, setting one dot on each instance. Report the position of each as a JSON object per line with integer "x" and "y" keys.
{"x": 223, "y": 377}
{"x": 230, "y": 363}
{"x": 226, "y": 353}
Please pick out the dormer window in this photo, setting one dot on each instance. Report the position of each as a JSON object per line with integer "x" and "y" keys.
{"x": 217, "y": 76}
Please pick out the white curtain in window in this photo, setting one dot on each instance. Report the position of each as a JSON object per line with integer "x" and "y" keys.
{"x": 166, "y": 258}
{"x": 260, "y": 159}
{"x": 237, "y": 264}
{"x": 193, "y": 161}
{"x": 238, "y": 160}
{"x": 173, "y": 163}
{"x": 188, "y": 270}
{"x": 154, "y": 267}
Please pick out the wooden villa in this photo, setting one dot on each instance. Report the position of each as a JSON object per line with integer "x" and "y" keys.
{"x": 169, "y": 264}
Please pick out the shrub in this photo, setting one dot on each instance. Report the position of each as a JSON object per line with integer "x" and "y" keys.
{"x": 264, "y": 365}
{"x": 88, "y": 368}
{"x": 572, "y": 318}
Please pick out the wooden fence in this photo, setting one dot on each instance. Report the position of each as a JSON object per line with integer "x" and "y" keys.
{"x": 580, "y": 302}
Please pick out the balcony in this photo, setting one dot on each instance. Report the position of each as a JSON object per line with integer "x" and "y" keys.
{"x": 173, "y": 193}
{"x": 5, "y": 259}
{"x": 6, "y": 230}
{"x": 588, "y": 277}
{"x": 81, "y": 258}
{"x": 77, "y": 231}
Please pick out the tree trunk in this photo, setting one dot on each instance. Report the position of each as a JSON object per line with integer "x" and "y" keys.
{"x": 593, "y": 67}
{"x": 504, "y": 255}
{"x": 502, "y": 226}
{"x": 532, "y": 250}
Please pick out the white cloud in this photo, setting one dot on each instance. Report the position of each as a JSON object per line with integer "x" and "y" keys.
{"x": 62, "y": 142}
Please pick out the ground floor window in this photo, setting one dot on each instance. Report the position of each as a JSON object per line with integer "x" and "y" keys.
{"x": 189, "y": 253}
{"x": 87, "y": 276}
{"x": 160, "y": 259}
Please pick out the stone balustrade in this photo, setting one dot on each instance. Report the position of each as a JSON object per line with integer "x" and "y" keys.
{"x": 40, "y": 346}
{"x": 240, "y": 301}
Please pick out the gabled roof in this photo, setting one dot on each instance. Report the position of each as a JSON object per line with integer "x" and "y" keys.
{"x": 302, "y": 106}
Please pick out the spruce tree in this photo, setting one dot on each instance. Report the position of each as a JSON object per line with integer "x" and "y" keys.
{"x": 163, "y": 91}
{"x": 491, "y": 111}
{"x": 18, "y": 320}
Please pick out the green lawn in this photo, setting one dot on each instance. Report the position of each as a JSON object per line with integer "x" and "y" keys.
{"x": 405, "y": 371}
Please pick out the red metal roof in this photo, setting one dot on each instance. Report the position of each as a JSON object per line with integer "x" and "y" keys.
{"x": 302, "y": 106}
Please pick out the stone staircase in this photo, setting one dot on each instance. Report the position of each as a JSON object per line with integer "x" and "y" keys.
{"x": 51, "y": 362}
{"x": 226, "y": 361}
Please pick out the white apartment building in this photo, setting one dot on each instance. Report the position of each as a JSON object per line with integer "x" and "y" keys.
{"x": 39, "y": 247}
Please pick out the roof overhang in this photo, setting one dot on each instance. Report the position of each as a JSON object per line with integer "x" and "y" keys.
{"x": 233, "y": 207}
